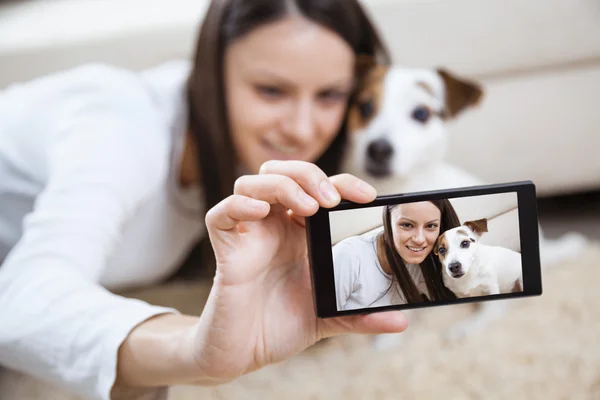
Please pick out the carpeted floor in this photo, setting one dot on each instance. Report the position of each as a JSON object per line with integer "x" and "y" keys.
{"x": 547, "y": 347}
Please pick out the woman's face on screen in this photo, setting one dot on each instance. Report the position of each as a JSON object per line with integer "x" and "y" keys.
{"x": 415, "y": 227}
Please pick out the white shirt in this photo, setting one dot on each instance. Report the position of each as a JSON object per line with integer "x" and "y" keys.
{"x": 360, "y": 281}
{"x": 88, "y": 200}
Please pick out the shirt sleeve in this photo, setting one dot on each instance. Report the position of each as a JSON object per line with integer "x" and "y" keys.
{"x": 346, "y": 266}
{"x": 56, "y": 322}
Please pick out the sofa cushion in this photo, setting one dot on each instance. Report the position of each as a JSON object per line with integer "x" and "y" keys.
{"x": 489, "y": 37}
{"x": 543, "y": 127}
{"x": 37, "y": 38}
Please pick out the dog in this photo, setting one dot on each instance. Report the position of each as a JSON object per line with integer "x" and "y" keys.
{"x": 397, "y": 141}
{"x": 471, "y": 268}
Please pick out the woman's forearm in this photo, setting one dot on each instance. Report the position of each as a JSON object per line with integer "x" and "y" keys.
{"x": 158, "y": 353}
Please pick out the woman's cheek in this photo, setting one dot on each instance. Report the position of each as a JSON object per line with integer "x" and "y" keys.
{"x": 432, "y": 238}
{"x": 331, "y": 118}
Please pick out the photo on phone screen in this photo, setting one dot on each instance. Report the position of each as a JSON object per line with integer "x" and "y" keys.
{"x": 420, "y": 250}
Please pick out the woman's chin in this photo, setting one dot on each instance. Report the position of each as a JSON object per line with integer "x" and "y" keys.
{"x": 414, "y": 258}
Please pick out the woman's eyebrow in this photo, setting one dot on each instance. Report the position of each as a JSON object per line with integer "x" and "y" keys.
{"x": 413, "y": 222}
{"x": 262, "y": 73}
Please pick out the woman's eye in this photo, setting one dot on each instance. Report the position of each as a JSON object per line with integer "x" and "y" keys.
{"x": 270, "y": 91}
{"x": 432, "y": 226}
{"x": 464, "y": 244}
{"x": 332, "y": 95}
{"x": 405, "y": 225}
{"x": 421, "y": 114}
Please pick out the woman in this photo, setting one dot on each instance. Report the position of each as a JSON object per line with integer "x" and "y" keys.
{"x": 395, "y": 266}
{"x": 108, "y": 177}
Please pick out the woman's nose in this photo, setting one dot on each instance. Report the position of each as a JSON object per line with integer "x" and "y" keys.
{"x": 419, "y": 238}
{"x": 300, "y": 123}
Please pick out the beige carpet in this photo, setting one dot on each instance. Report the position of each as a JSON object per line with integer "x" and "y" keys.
{"x": 547, "y": 347}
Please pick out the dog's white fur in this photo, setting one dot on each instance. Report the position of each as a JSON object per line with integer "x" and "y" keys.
{"x": 417, "y": 164}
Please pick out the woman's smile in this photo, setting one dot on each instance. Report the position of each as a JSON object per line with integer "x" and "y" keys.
{"x": 280, "y": 151}
{"x": 416, "y": 249}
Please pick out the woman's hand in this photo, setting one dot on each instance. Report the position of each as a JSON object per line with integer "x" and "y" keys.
{"x": 260, "y": 309}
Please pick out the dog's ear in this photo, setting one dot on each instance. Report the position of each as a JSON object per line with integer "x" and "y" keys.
{"x": 460, "y": 93}
{"x": 436, "y": 245}
{"x": 478, "y": 226}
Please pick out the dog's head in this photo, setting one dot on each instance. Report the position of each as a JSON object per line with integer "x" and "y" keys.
{"x": 396, "y": 121}
{"x": 456, "y": 247}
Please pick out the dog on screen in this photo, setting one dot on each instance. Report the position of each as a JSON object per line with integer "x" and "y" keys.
{"x": 471, "y": 268}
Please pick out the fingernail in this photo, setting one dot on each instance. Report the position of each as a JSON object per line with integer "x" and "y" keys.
{"x": 328, "y": 191}
{"x": 306, "y": 199}
{"x": 257, "y": 203}
{"x": 364, "y": 187}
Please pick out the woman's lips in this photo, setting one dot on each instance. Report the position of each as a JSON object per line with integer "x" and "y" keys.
{"x": 281, "y": 152}
{"x": 416, "y": 250}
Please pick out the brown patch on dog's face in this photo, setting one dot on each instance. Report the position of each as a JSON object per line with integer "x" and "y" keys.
{"x": 441, "y": 243}
{"x": 367, "y": 100}
{"x": 462, "y": 232}
{"x": 426, "y": 88}
{"x": 460, "y": 93}
{"x": 478, "y": 226}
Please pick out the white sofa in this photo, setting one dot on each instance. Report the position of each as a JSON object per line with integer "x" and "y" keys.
{"x": 539, "y": 62}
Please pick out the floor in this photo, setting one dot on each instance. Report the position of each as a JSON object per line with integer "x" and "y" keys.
{"x": 579, "y": 213}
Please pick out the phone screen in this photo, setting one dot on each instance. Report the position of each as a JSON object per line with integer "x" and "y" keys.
{"x": 428, "y": 249}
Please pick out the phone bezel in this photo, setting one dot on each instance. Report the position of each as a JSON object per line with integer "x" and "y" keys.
{"x": 318, "y": 236}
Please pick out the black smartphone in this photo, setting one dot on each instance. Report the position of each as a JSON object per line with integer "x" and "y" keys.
{"x": 425, "y": 249}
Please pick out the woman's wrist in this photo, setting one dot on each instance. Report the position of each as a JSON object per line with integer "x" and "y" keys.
{"x": 159, "y": 352}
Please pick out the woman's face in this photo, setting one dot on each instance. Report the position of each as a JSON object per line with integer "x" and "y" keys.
{"x": 415, "y": 226}
{"x": 287, "y": 84}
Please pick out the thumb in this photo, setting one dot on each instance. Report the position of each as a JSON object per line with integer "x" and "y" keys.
{"x": 375, "y": 323}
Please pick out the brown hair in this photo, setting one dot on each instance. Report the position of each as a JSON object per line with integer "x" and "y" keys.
{"x": 224, "y": 22}
{"x": 430, "y": 267}
{"x": 228, "y": 20}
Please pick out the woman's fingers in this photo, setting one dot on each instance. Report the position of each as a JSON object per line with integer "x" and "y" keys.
{"x": 310, "y": 177}
{"x": 277, "y": 189}
{"x": 300, "y": 187}
{"x": 227, "y": 214}
{"x": 327, "y": 191}
{"x": 353, "y": 188}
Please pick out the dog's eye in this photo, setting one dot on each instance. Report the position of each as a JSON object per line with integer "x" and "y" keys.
{"x": 366, "y": 108}
{"x": 464, "y": 244}
{"x": 442, "y": 251}
{"x": 421, "y": 114}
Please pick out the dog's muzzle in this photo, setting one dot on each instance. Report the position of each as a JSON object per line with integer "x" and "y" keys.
{"x": 379, "y": 155}
{"x": 456, "y": 269}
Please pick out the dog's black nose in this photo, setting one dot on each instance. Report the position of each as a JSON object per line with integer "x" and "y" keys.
{"x": 454, "y": 267}
{"x": 380, "y": 150}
